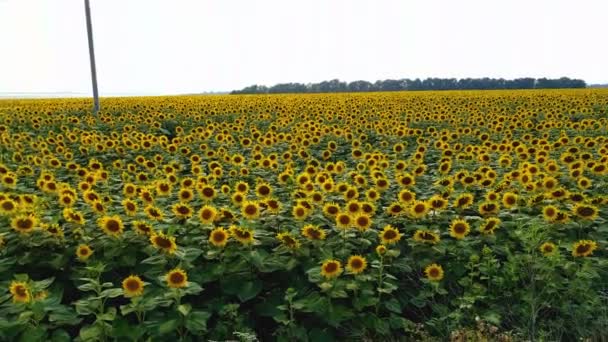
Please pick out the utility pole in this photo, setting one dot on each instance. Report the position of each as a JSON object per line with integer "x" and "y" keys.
{"x": 87, "y": 9}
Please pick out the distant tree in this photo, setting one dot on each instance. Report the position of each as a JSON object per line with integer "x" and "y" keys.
{"x": 433, "y": 83}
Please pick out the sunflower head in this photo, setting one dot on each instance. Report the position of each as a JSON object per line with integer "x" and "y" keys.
{"x": 163, "y": 242}
{"x": 313, "y": 232}
{"x": 24, "y": 224}
{"x": 83, "y": 252}
{"x": 176, "y": 278}
{"x": 111, "y": 225}
{"x": 219, "y": 237}
{"x": 331, "y": 269}
{"x": 434, "y": 272}
{"x": 584, "y": 248}
{"x": 20, "y": 291}
{"x": 459, "y": 229}
{"x": 133, "y": 286}
{"x": 389, "y": 235}
{"x": 356, "y": 264}
{"x": 547, "y": 248}
{"x": 242, "y": 235}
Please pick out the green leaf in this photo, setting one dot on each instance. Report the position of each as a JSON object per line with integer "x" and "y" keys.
{"x": 60, "y": 335}
{"x": 393, "y": 305}
{"x": 112, "y": 293}
{"x": 33, "y": 334}
{"x": 197, "y": 321}
{"x": 184, "y": 309}
{"x": 168, "y": 326}
{"x": 90, "y": 332}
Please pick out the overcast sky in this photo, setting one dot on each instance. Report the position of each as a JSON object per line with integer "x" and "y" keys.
{"x": 181, "y": 46}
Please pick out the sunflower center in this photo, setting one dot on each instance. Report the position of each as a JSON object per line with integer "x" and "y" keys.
{"x": 113, "y": 226}
{"x": 162, "y": 242}
{"x": 251, "y": 209}
{"x": 585, "y": 211}
{"x": 356, "y": 264}
{"x": 176, "y": 278}
{"x": 208, "y": 192}
{"x": 219, "y": 237}
{"x": 21, "y": 291}
{"x": 460, "y": 228}
{"x": 434, "y": 272}
{"x": 582, "y": 249}
{"x": 25, "y": 224}
{"x": 132, "y": 285}
{"x": 331, "y": 267}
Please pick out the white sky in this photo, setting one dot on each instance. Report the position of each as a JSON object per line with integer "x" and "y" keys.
{"x": 180, "y": 46}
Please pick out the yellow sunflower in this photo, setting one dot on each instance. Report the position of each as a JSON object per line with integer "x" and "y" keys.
{"x": 182, "y": 210}
{"x": 163, "y": 242}
{"x": 207, "y": 214}
{"x": 250, "y": 210}
{"x": 313, "y": 232}
{"x": 219, "y": 237}
{"x": 426, "y": 236}
{"x": 583, "y": 248}
{"x": 331, "y": 268}
{"x": 389, "y": 235}
{"x": 434, "y": 272}
{"x": 489, "y": 225}
{"x": 20, "y": 291}
{"x": 242, "y": 235}
{"x": 83, "y": 252}
{"x": 547, "y": 248}
{"x": 176, "y": 278}
{"x": 133, "y": 286}
{"x": 356, "y": 264}
{"x": 288, "y": 240}
{"x": 24, "y": 224}
{"x": 459, "y": 229}
{"x": 585, "y": 211}
{"x": 111, "y": 225}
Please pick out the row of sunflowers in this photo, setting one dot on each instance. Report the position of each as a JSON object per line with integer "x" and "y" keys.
{"x": 378, "y": 216}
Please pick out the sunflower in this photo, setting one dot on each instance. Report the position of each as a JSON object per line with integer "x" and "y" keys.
{"x": 583, "y": 248}
{"x": 154, "y": 212}
{"x": 55, "y": 230}
{"x": 250, "y": 210}
{"x": 24, "y": 224}
{"x": 111, "y": 225}
{"x": 163, "y": 188}
{"x": 585, "y": 211}
{"x": 381, "y": 250}
{"x": 362, "y": 222}
{"x": 419, "y": 209}
{"x": 219, "y": 237}
{"x": 463, "y": 201}
{"x": 273, "y": 206}
{"x": 389, "y": 235}
{"x": 176, "y": 278}
{"x": 426, "y": 236}
{"x": 437, "y": 202}
{"x": 547, "y": 248}
{"x": 133, "y": 286}
{"x": 182, "y": 210}
{"x": 242, "y": 187}
{"x": 331, "y": 209}
{"x": 20, "y": 291}
{"x": 406, "y": 196}
{"x": 288, "y": 240}
{"x": 509, "y": 200}
{"x": 459, "y": 229}
{"x": 356, "y": 264}
{"x": 208, "y": 193}
{"x": 142, "y": 228}
{"x": 207, "y": 214}
{"x": 489, "y": 225}
{"x": 300, "y": 212}
{"x": 185, "y": 195}
{"x": 331, "y": 268}
{"x": 343, "y": 221}
{"x": 488, "y": 208}
{"x": 313, "y": 232}
{"x": 84, "y": 252}
{"x": 263, "y": 190}
{"x": 129, "y": 206}
{"x": 550, "y": 213}
{"x": 163, "y": 242}
{"x": 242, "y": 235}
{"x": 8, "y": 206}
{"x": 73, "y": 216}
{"x": 434, "y": 272}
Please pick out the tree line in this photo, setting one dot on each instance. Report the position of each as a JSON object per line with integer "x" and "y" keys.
{"x": 337, "y": 86}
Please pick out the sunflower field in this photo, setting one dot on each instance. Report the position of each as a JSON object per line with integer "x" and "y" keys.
{"x": 427, "y": 216}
